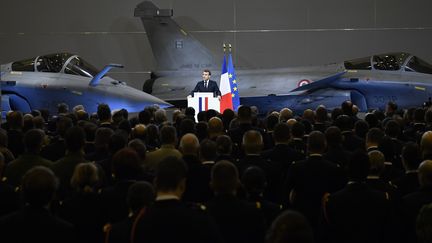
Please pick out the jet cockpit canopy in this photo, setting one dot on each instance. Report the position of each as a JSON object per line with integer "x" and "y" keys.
{"x": 398, "y": 61}
{"x": 57, "y": 63}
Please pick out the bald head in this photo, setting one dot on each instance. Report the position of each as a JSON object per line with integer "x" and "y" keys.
{"x": 189, "y": 144}
{"x": 425, "y": 174}
{"x": 285, "y": 114}
{"x": 426, "y": 143}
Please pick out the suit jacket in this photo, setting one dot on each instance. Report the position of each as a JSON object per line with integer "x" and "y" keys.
{"x": 18, "y": 167}
{"x": 212, "y": 87}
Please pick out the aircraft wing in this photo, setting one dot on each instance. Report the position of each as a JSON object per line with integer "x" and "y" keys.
{"x": 322, "y": 83}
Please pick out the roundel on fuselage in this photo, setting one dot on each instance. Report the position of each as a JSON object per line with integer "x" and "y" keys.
{"x": 303, "y": 82}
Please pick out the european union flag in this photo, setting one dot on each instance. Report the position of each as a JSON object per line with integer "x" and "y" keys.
{"x": 233, "y": 83}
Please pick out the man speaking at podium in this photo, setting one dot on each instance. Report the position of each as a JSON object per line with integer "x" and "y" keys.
{"x": 206, "y": 85}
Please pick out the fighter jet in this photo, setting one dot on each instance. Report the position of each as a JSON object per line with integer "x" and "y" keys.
{"x": 369, "y": 82}
{"x": 45, "y": 81}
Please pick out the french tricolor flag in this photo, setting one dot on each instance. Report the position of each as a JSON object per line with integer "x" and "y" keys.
{"x": 225, "y": 89}
{"x": 203, "y": 103}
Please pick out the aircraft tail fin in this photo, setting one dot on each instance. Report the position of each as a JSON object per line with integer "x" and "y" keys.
{"x": 319, "y": 83}
{"x": 173, "y": 48}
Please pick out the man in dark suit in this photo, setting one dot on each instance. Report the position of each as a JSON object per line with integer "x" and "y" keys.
{"x": 207, "y": 85}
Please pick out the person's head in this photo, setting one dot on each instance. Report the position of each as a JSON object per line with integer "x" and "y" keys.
{"x": 171, "y": 176}
{"x": 139, "y": 147}
{"x": 224, "y": 178}
{"x": 215, "y": 127}
{"x": 208, "y": 150}
{"x": 206, "y": 74}
{"x": 224, "y": 145}
{"x": 252, "y": 142}
{"x": 344, "y": 122}
{"x": 361, "y": 128}
{"x": 376, "y": 162}
{"x": 426, "y": 143}
{"x": 290, "y": 226}
{"x": 3, "y": 138}
{"x": 126, "y": 164}
{"x": 425, "y": 174}
{"x": 321, "y": 114}
{"x": 334, "y": 136}
{"x": 358, "y": 166}
{"x": 38, "y": 186}
{"x": 168, "y": 135}
{"x": 347, "y": 107}
{"x": 62, "y": 108}
{"x": 411, "y": 156}
{"x": 33, "y": 140}
{"x": 392, "y": 129}
{"x": 75, "y": 139}
{"x": 254, "y": 180}
{"x": 85, "y": 177}
{"x": 424, "y": 224}
{"x": 140, "y": 194}
{"x": 244, "y": 114}
{"x": 297, "y": 128}
{"x": 104, "y": 113}
{"x": 63, "y": 123}
{"x": 391, "y": 108}
{"x": 316, "y": 143}
{"x": 285, "y": 114}
{"x": 271, "y": 121}
{"x": 189, "y": 144}
{"x": 139, "y": 131}
{"x": 160, "y": 116}
{"x": 374, "y": 137}
{"x": 281, "y": 133}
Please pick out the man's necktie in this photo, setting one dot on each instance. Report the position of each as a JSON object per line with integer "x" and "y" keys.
{"x": 205, "y": 84}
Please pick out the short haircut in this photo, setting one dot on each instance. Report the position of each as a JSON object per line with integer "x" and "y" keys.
{"x": 208, "y": 150}
{"x": 33, "y": 140}
{"x": 281, "y": 132}
{"x": 244, "y": 113}
{"x": 126, "y": 164}
{"x": 103, "y": 112}
{"x": 252, "y": 142}
{"x": 358, "y": 166}
{"x": 169, "y": 173}
{"x": 425, "y": 174}
{"x": 224, "y": 144}
{"x": 290, "y": 226}
{"x": 224, "y": 177}
{"x": 140, "y": 194}
{"x": 254, "y": 180}
{"x": 139, "y": 146}
{"x": 207, "y": 71}
{"x": 168, "y": 135}
{"x": 374, "y": 135}
{"x": 316, "y": 142}
{"x": 411, "y": 156}
{"x": 75, "y": 139}
{"x": 333, "y": 135}
{"x": 189, "y": 144}
{"x": 298, "y": 129}
{"x": 39, "y": 185}
{"x": 85, "y": 177}
{"x": 376, "y": 161}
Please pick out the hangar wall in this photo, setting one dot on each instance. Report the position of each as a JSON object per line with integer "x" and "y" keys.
{"x": 265, "y": 34}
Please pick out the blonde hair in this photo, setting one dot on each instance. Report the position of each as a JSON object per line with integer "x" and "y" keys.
{"x": 85, "y": 177}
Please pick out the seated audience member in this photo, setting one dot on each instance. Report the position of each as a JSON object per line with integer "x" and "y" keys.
{"x": 57, "y": 147}
{"x": 224, "y": 148}
{"x": 413, "y": 202}
{"x": 64, "y": 167}
{"x": 426, "y": 145}
{"x": 83, "y": 207}
{"x": 298, "y": 132}
{"x": 8, "y": 155}
{"x": 358, "y": 213}
{"x": 292, "y": 227}
{"x": 140, "y": 196}
{"x": 237, "y": 220}
{"x": 9, "y": 201}
{"x": 101, "y": 144}
{"x": 279, "y": 158}
{"x": 215, "y": 128}
{"x": 310, "y": 179}
{"x": 411, "y": 158}
{"x": 169, "y": 219}
{"x": 335, "y": 151}
{"x": 33, "y": 140}
{"x": 424, "y": 224}
{"x": 168, "y": 138}
{"x": 14, "y": 120}
{"x": 252, "y": 146}
{"x": 126, "y": 170}
{"x": 254, "y": 182}
{"x": 374, "y": 179}
{"x": 34, "y": 222}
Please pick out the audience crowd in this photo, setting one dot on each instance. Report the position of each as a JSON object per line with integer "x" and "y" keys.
{"x": 321, "y": 176}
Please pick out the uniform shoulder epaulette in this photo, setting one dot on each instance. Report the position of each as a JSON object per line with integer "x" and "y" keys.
{"x": 197, "y": 206}
{"x": 258, "y": 205}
